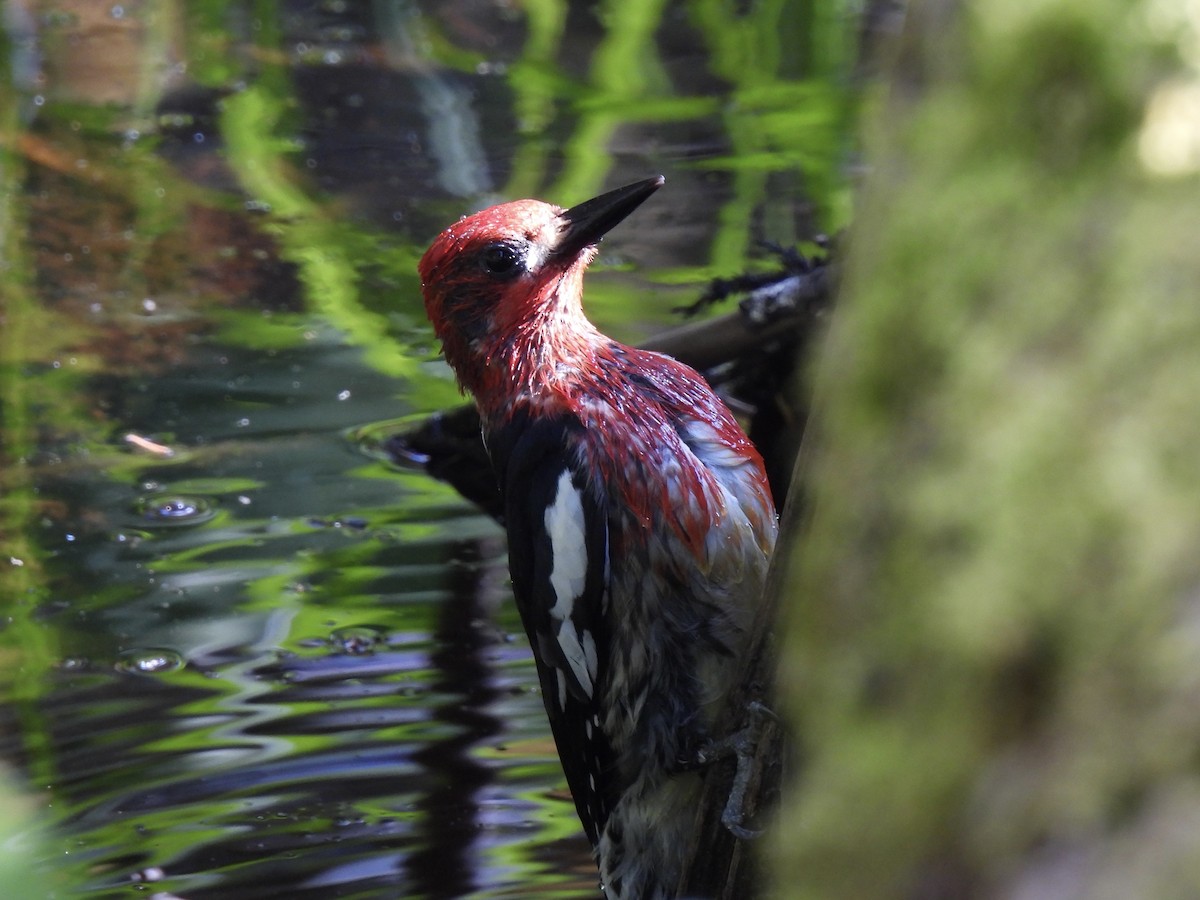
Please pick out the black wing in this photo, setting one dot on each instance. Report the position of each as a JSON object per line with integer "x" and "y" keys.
{"x": 557, "y": 526}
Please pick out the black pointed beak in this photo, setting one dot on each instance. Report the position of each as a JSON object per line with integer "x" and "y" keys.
{"x": 586, "y": 223}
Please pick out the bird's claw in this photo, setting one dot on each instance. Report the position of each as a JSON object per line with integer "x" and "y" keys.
{"x": 741, "y": 745}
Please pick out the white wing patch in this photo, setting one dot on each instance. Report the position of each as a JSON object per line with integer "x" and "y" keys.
{"x": 568, "y": 575}
{"x": 562, "y": 688}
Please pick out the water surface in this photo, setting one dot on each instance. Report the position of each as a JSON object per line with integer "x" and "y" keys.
{"x": 242, "y": 654}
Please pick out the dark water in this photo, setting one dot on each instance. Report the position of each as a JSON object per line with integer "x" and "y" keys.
{"x": 243, "y": 655}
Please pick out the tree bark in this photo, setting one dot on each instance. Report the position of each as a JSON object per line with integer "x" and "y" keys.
{"x": 991, "y": 651}
{"x": 719, "y": 865}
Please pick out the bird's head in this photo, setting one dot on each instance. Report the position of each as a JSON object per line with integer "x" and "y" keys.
{"x": 511, "y": 272}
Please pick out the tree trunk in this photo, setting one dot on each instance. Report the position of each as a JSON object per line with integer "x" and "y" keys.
{"x": 992, "y": 653}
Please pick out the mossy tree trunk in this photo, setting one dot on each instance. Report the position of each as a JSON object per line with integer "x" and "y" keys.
{"x": 992, "y": 660}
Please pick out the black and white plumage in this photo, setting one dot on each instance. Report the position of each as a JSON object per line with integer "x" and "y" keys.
{"x": 558, "y": 559}
{"x": 638, "y": 516}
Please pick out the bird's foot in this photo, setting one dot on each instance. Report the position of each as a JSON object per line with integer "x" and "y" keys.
{"x": 742, "y": 745}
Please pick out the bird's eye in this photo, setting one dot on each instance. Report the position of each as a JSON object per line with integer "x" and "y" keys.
{"x": 502, "y": 260}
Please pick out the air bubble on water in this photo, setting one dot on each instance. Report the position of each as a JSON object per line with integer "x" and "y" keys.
{"x": 148, "y": 661}
{"x": 174, "y": 510}
{"x": 358, "y": 640}
{"x": 149, "y": 874}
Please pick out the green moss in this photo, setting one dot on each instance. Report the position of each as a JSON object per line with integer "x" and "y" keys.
{"x": 992, "y": 650}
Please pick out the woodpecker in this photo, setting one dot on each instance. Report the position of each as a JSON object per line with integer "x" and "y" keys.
{"x": 638, "y": 515}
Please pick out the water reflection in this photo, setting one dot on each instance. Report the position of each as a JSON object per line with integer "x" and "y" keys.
{"x": 242, "y": 655}
{"x": 348, "y": 764}
{"x": 349, "y": 660}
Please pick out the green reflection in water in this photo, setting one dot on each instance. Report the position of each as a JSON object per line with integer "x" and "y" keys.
{"x": 325, "y": 249}
{"x": 351, "y": 660}
{"x": 623, "y": 65}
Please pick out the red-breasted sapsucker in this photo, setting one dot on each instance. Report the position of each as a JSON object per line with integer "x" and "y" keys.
{"x": 638, "y": 515}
